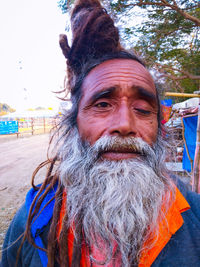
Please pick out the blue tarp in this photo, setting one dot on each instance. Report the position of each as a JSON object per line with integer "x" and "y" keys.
{"x": 166, "y": 102}
{"x": 8, "y": 127}
{"x": 190, "y": 125}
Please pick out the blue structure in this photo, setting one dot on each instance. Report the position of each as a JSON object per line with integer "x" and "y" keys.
{"x": 8, "y": 127}
{"x": 190, "y": 132}
{"x": 166, "y": 102}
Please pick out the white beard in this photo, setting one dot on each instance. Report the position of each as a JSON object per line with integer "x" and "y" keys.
{"x": 117, "y": 201}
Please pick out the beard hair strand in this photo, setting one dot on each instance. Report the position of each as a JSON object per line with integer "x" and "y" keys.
{"x": 116, "y": 202}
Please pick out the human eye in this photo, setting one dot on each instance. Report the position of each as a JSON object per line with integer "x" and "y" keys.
{"x": 142, "y": 108}
{"x": 102, "y": 104}
{"x": 143, "y": 111}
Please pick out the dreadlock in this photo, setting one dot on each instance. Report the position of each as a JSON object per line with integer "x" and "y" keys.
{"x": 95, "y": 39}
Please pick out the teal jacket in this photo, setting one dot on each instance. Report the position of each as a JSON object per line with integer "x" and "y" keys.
{"x": 183, "y": 249}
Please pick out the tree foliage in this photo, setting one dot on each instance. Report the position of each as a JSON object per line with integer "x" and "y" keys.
{"x": 5, "y": 108}
{"x": 166, "y": 37}
{"x": 65, "y": 5}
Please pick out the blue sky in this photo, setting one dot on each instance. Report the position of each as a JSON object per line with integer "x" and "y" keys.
{"x": 31, "y": 62}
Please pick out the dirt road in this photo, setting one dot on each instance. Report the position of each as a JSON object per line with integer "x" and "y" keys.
{"x": 19, "y": 158}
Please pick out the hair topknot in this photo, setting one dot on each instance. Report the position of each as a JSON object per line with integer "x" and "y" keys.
{"x": 93, "y": 35}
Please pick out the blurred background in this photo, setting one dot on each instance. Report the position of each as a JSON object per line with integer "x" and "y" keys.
{"x": 165, "y": 34}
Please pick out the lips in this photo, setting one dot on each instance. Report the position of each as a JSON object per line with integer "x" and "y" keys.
{"x": 120, "y": 154}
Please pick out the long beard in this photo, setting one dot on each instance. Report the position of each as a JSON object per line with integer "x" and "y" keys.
{"x": 118, "y": 202}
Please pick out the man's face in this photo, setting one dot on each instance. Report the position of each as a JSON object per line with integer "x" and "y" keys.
{"x": 119, "y": 99}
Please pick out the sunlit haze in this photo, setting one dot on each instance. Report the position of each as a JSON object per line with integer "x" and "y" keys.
{"x": 31, "y": 62}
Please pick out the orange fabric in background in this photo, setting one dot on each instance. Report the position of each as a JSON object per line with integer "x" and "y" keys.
{"x": 166, "y": 112}
{"x": 174, "y": 221}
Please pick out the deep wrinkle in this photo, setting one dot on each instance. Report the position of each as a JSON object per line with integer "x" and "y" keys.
{"x": 107, "y": 93}
{"x": 115, "y": 103}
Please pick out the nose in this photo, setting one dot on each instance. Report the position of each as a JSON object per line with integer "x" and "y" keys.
{"x": 123, "y": 122}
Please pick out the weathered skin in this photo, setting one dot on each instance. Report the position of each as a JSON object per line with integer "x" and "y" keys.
{"x": 119, "y": 98}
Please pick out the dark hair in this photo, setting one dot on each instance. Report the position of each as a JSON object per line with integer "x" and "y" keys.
{"x": 95, "y": 40}
{"x": 76, "y": 92}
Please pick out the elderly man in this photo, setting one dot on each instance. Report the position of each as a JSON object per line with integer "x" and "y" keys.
{"x": 107, "y": 199}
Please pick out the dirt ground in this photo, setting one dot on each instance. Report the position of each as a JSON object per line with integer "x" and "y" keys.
{"x": 19, "y": 158}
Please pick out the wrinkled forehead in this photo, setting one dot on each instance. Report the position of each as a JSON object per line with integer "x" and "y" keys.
{"x": 116, "y": 71}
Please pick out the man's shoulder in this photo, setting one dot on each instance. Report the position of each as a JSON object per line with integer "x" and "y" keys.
{"x": 18, "y": 224}
{"x": 183, "y": 249}
{"x": 194, "y": 201}
{"x": 39, "y": 230}
{"x": 14, "y": 237}
{"x": 45, "y": 212}
{"x": 192, "y": 198}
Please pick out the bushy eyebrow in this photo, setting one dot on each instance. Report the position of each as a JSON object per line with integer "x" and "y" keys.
{"x": 107, "y": 92}
{"x": 102, "y": 94}
{"x": 146, "y": 94}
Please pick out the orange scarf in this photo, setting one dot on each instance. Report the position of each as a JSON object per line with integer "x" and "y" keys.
{"x": 148, "y": 256}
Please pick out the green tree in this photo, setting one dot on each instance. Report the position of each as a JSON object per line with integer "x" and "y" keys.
{"x": 5, "y": 108}
{"x": 65, "y": 5}
{"x": 166, "y": 37}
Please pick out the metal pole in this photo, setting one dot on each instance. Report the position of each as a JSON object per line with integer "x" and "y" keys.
{"x": 44, "y": 124}
{"x": 32, "y": 125}
{"x": 182, "y": 94}
{"x": 196, "y": 169}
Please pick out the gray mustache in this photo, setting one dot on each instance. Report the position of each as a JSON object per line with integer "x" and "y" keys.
{"x": 121, "y": 145}
{"x": 122, "y": 148}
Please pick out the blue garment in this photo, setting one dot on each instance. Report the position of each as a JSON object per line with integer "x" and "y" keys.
{"x": 183, "y": 249}
{"x": 42, "y": 220}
